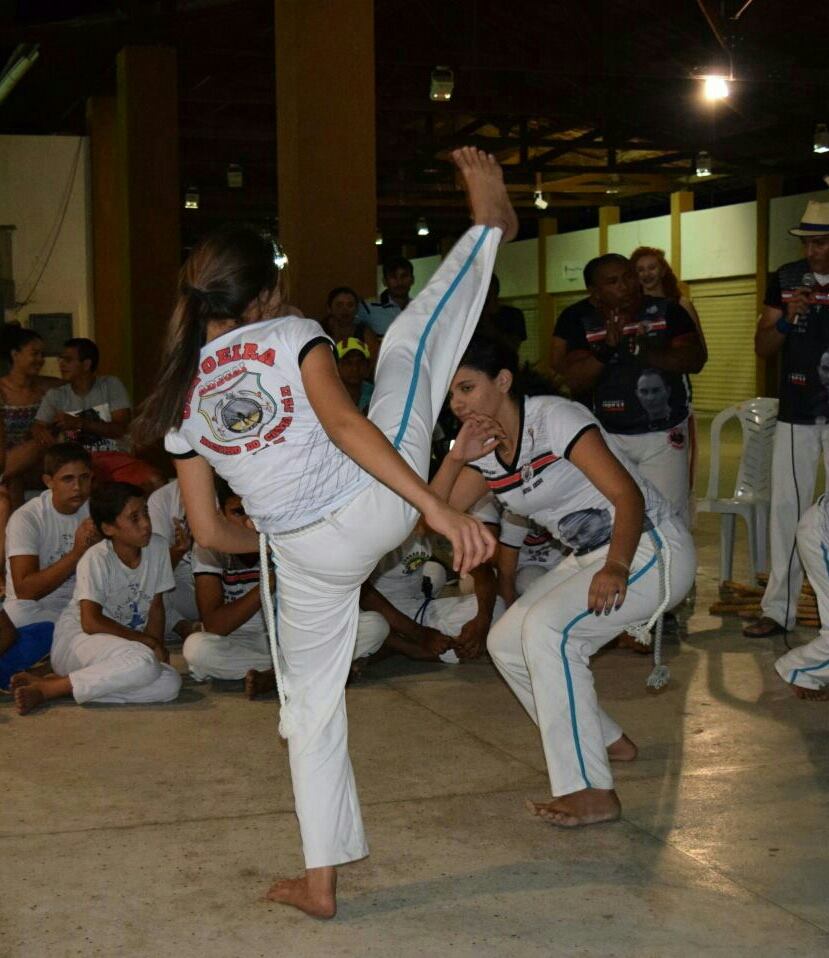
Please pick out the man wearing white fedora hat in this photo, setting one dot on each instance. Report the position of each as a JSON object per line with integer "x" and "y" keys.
{"x": 795, "y": 322}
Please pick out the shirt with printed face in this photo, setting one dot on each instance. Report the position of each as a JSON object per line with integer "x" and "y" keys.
{"x": 630, "y": 397}
{"x": 804, "y": 365}
{"x": 543, "y": 484}
{"x": 248, "y": 415}
{"x": 124, "y": 594}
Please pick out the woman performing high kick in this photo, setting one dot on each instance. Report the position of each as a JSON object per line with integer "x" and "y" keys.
{"x": 260, "y": 401}
{"x": 548, "y": 458}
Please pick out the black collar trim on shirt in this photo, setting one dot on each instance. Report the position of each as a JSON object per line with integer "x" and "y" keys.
{"x": 512, "y": 466}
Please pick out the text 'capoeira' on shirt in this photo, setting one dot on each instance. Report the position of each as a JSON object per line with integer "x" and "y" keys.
{"x": 247, "y": 414}
{"x": 543, "y": 484}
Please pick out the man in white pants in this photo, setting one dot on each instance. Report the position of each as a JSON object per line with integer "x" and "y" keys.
{"x": 806, "y": 668}
{"x": 795, "y": 323}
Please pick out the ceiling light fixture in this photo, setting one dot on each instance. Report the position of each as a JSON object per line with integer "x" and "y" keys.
{"x": 235, "y": 176}
{"x": 422, "y": 227}
{"x": 715, "y": 87}
{"x": 378, "y": 238}
{"x": 280, "y": 257}
{"x": 18, "y": 65}
{"x": 191, "y": 198}
{"x": 821, "y": 141}
{"x": 538, "y": 196}
{"x": 442, "y": 85}
{"x": 703, "y": 163}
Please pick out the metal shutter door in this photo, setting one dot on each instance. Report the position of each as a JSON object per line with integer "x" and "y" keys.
{"x": 728, "y": 313}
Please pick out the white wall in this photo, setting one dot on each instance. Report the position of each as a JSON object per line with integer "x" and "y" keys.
{"x": 785, "y": 213}
{"x": 625, "y": 237}
{"x": 719, "y": 242}
{"x": 34, "y": 182}
{"x": 567, "y": 254}
{"x": 517, "y": 269}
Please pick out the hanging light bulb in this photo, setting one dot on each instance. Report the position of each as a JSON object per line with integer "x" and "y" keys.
{"x": 703, "y": 163}
{"x": 378, "y": 238}
{"x": 821, "y": 142}
{"x": 442, "y": 84}
{"x": 191, "y": 198}
{"x": 422, "y": 227}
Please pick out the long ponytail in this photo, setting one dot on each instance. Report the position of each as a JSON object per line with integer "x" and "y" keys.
{"x": 219, "y": 280}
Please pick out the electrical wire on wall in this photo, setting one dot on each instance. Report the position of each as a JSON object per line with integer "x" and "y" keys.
{"x": 53, "y": 235}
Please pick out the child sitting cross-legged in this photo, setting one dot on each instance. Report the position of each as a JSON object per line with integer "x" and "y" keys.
{"x": 109, "y": 641}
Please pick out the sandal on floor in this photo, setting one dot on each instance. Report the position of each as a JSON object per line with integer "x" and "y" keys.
{"x": 763, "y": 628}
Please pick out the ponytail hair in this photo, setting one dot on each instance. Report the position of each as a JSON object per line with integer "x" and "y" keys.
{"x": 222, "y": 276}
{"x": 489, "y": 356}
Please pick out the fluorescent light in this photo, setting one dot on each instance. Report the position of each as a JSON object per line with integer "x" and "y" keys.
{"x": 20, "y": 62}
{"x": 821, "y": 143}
{"x": 538, "y": 200}
{"x": 442, "y": 84}
{"x": 422, "y": 227}
{"x": 715, "y": 87}
{"x": 703, "y": 163}
{"x": 191, "y": 198}
{"x": 235, "y": 176}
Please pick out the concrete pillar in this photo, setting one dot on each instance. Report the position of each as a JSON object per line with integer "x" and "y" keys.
{"x": 767, "y": 188}
{"x": 325, "y": 120}
{"x": 681, "y": 202}
{"x": 147, "y": 155}
{"x": 608, "y": 216}
{"x": 109, "y": 291}
{"x": 547, "y": 226}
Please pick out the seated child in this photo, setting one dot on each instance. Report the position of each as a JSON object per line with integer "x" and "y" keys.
{"x": 109, "y": 641}
{"x": 46, "y": 538}
{"x": 169, "y": 521}
{"x": 235, "y": 644}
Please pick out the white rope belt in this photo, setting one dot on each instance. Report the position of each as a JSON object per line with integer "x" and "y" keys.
{"x": 286, "y": 723}
{"x": 660, "y": 674}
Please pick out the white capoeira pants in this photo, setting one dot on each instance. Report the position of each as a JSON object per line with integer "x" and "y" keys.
{"x": 105, "y": 668}
{"x": 808, "y": 665}
{"x": 663, "y": 459}
{"x": 320, "y": 568}
{"x": 212, "y": 656}
{"x": 543, "y": 643}
{"x": 793, "y": 474}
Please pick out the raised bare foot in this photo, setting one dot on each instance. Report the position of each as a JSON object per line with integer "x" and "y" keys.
{"x": 315, "y": 892}
{"x": 622, "y": 750}
{"x": 811, "y": 695}
{"x": 488, "y": 198}
{"x": 590, "y": 806}
{"x": 259, "y": 683}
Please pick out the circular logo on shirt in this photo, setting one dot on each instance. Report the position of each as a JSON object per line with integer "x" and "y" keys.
{"x": 241, "y": 413}
{"x": 527, "y": 472}
{"x": 676, "y": 438}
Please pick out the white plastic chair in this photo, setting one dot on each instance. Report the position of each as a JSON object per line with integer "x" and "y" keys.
{"x": 752, "y": 491}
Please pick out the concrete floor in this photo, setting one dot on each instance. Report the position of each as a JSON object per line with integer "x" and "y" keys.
{"x": 147, "y": 831}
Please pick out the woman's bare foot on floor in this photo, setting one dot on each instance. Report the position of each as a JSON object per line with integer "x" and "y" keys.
{"x": 811, "y": 695}
{"x": 590, "y": 806}
{"x": 622, "y": 750}
{"x": 31, "y": 690}
{"x": 315, "y": 892}
{"x": 488, "y": 199}
{"x": 259, "y": 683}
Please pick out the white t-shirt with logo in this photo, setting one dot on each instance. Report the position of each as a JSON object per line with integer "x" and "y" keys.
{"x": 38, "y": 529}
{"x": 543, "y": 484}
{"x": 237, "y": 580}
{"x": 124, "y": 594}
{"x": 399, "y": 574}
{"x": 248, "y": 415}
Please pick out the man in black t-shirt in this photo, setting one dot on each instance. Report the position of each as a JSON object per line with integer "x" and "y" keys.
{"x": 628, "y": 356}
{"x": 795, "y": 323}
{"x": 501, "y": 322}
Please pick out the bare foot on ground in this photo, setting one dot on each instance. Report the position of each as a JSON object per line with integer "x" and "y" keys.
{"x": 31, "y": 690}
{"x": 622, "y": 750}
{"x": 488, "y": 198}
{"x": 590, "y": 806}
{"x": 315, "y": 892}
{"x": 811, "y": 695}
{"x": 259, "y": 683}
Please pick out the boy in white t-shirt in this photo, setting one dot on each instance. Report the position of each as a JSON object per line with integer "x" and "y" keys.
{"x": 109, "y": 641}
{"x": 229, "y": 600}
{"x": 168, "y": 518}
{"x": 45, "y": 540}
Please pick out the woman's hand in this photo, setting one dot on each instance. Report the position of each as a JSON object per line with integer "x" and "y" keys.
{"x": 608, "y": 588}
{"x": 478, "y": 435}
{"x": 472, "y": 543}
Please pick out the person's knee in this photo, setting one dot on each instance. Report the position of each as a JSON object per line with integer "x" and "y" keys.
{"x": 169, "y": 684}
{"x": 196, "y": 651}
{"x": 143, "y": 665}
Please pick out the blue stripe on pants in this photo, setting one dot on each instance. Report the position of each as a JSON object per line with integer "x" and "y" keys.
{"x": 421, "y": 346}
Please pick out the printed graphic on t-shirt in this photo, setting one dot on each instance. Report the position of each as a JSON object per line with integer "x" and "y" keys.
{"x": 89, "y": 440}
{"x": 586, "y": 529}
{"x": 127, "y": 608}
